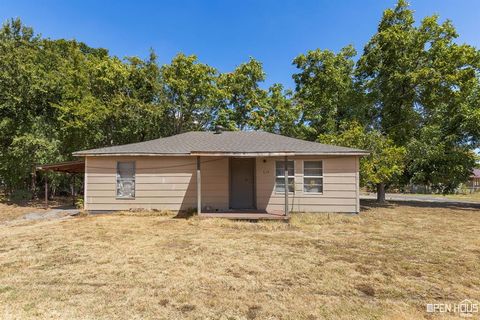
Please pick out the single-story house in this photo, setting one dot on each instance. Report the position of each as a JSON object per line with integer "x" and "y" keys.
{"x": 221, "y": 173}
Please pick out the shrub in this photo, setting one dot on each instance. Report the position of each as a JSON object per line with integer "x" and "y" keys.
{"x": 20, "y": 195}
{"x": 79, "y": 203}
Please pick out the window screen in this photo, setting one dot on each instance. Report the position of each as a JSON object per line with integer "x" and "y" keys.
{"x": 313, "y": 176}
{"x": 280, "y": 176}
{"x": 125, "y": 179}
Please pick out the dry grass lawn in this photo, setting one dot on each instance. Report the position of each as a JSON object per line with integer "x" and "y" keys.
{"x": 10, "y": 212}
{"x": 475, "y": 196}
{"x": 385, "y": 263}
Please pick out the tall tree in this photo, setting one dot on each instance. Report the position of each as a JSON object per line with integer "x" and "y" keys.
{"x": 26, "y": 90}
{"x": 58, "y": 96}
{"x": 325, "y": 89}
{"x": 242, "y": 95}
{"x": 279, "y": 114}
{"x": 419, "y": 81}
{"x": 190, "y": 93}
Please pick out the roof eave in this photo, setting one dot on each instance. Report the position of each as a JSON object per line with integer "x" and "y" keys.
{"x": 133, "y": 154}
{"x": 224, "y": 154}
{"x": 277, "y": 154}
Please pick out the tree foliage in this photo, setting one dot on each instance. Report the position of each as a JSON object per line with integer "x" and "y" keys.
{"x": 243, "y": 98}
{"x": 325, "y": 90}
{"x": 423, "y": 89}
{"x": 384, "y": 164}
{"x": 189, "y": 91}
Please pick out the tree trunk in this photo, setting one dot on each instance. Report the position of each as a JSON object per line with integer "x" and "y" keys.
{"x": 381, "y": 192}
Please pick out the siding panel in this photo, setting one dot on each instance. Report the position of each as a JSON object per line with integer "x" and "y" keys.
{"x": 160, "y": 183}
{"x": 340, "y": 189}
{"x": 170, "y": 183}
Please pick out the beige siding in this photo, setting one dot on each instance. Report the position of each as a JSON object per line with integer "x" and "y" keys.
{"x": 340, "y": 186}
{"x": 160, "y": 183}
{"x": 170, "y": 183}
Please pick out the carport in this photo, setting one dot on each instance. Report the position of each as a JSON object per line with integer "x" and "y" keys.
{"x": 71, "y": 168}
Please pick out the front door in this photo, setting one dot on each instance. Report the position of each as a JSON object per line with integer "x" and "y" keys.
{"x": 242, "y": 182}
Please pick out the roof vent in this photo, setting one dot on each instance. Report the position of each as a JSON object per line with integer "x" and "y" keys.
{"x": 219, "y": 129}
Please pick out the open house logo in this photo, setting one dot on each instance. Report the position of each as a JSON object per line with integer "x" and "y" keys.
{"x": 466, "y": 308}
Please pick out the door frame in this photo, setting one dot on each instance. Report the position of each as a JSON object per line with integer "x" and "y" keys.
{"x": 254, "y": 187}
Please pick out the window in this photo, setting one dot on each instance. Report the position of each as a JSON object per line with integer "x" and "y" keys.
{"x": 125, "y": 179}
{"x": 313, "y": 176}
{"x": 280, "y": 176}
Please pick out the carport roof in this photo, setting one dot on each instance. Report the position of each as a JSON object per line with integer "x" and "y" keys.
{"x": 77, "y": 166}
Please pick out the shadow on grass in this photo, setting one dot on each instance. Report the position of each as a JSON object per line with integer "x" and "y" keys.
{"x": 185, "y": 214}
{"x": 367, "y": 205}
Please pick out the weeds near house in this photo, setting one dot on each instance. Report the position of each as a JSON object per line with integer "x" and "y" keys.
{"x": 147, "y": 213}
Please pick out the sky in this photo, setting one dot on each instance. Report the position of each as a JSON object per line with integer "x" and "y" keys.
{"x": 226, "y": 33}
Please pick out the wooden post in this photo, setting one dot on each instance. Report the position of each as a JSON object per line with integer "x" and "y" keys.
{"x": 46, "y": 190}
{"x": 73, "y": 189}
{"x": 34, "y": 178}
{"x": 286, "y": 186}
{"x": 357, "y": 184}
{"x": 199, "y": 188}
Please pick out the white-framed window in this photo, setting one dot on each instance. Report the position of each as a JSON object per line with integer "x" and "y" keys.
{"x": 126, "y": 180}
{"x": 280, "y": 176}
{"x": 313, "y": 176}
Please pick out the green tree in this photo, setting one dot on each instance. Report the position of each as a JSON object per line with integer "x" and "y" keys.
{"x": 279, "y": 114}
{"x": 58, "y": 96}
{"x": 242, "y": 96}
{"x": 436, "y": 162}
{"x": 189, "y": 93}
{"x": 419, "y": 81}
{"x": 382, "y": 166}
{"x": 145, "y": 91}
{"x": 26, "y": 88}
{"x": 325, "y": 90}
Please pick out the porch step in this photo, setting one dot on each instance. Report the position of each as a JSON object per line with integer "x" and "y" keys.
{"x": 244, "y": 215}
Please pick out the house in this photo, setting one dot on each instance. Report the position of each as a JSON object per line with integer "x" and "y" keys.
{"x": 222, "y": 173}
{"x": 473, "y": 183}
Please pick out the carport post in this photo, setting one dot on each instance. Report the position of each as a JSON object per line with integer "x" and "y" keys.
{"x": 199, "y": 187}
{"x": 286, "y": 185}
{"x": 46, "y": 190}
{"x": 73, "y": 189}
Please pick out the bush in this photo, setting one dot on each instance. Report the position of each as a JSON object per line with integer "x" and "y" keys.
{"x": 20, "y": 195}
{"x": 79, "y": 203}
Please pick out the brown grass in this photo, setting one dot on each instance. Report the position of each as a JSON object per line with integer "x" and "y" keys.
{"x": 475, "y": 196}
{"x": 385, "y": 263}
{"x": 10, "y": 212}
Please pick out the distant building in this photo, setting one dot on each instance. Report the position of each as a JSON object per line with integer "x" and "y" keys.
{"x": 473, "y": 183}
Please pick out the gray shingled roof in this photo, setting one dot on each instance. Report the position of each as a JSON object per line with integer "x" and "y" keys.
{"x": 225, "y": 142}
